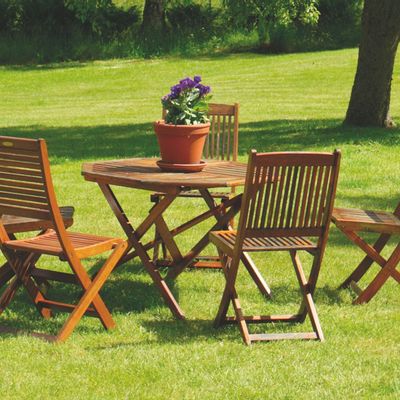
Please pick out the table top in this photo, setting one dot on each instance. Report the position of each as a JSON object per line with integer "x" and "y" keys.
{"x": 143, "y": 173}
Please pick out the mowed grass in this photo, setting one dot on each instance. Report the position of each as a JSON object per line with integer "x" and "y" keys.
{"x": 104, "y": 110}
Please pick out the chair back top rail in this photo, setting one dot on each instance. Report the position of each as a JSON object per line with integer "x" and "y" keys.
{"x": 288, "y": 194}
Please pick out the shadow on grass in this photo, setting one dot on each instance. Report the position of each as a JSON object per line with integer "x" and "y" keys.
{"x": 43, "y": 67}
{"x": 92, "y": 143}
{"x": 299, "y": 135}
{"x": 109, "y": 141}
{"x": 128, "y": 290}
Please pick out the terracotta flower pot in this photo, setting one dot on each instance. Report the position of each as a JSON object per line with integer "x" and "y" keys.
{"x": 181, "y": 144}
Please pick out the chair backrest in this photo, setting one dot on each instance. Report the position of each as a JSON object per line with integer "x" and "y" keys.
{"x": 223, "y": 141}
{"x": 288, "y": 194}
{"x": 26, "y": 188}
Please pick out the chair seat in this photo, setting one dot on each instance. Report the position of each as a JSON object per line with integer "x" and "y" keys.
{"x": 15, "y": 224}
{"x": 85, "y": 245}
{"x": 226, "y": 241}
{"x": 193, "y": 194}
{"x": 366, "y": 220}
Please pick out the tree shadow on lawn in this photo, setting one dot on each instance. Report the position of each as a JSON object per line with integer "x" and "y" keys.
{"x": 200, "y": 330}
{"x": 300, "y": 135}
{"x": 138, "y": 140}
{"x": 44, "y": 67}
{"x": 92, "y": 143}
{"x": 129, "y": 289}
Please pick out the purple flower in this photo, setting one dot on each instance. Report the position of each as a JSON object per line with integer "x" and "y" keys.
{"x": 203, "y": 89}
{"x": 187, "y": 102}
{"x": 187, "y": 83}
{"x": 175, "y": 91}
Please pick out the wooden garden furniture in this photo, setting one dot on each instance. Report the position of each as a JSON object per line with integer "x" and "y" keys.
{"x": 143, "y": 173}
{"x": 351, "y": 222}
{"x": 16, "y": 224}
{"x": 221, "y": 144}
{"x": 286, "y": 206}
{"x": 26, "y": 190}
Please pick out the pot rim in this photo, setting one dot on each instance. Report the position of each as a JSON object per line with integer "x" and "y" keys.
{"x": 161, "y": 122}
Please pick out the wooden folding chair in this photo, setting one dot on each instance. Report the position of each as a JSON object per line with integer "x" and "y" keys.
{"x": 288, "y": 199}
{"x": 221, "y": 144}
{"x": 26, "y": 190}
{"x": 353, "y": 221}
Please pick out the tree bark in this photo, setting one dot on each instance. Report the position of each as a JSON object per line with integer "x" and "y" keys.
{"x": 370, "y": 97}
{"x": 153, "y": 23}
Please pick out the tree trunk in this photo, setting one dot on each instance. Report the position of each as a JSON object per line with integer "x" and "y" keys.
{"x": 370, "y": 97}
{"x": 153, "y": 23}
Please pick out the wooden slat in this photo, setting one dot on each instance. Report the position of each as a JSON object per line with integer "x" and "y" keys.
{"x": 321, "y": 207}
{"x": 26, "y": 191}
{"x": 287, "y": 201}
{"x": 288, "y": 216}
{"x": 20, "y": 184}
{"x": 20, "y": 171}
{"x": 22, "y": 203}
{"x": 303, "y": 203}
{"x": 29, "y": 157}
{"x": 310, "y": 197}
{"x": 313, "y": 221}
{"x": 271, "y": 203}
{"x": 265, "y": 337}
{"x": 10, "y": 162}
{"x": 255, "y": 319}
{"x": 24, "y": 212}
{"x": 10, "y": 195}
{"x": 90, "y": 311}
{"x": 296, "y": 206}
{"x": 20, "y": 177}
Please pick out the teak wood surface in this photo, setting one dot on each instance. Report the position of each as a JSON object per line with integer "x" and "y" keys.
{"x": 352, "y": 222}
{"x": 26, "y": 191}
{"x": 143, "y": 173}
{"x": 287, "y": 205}
{"x": 16, "y": 224}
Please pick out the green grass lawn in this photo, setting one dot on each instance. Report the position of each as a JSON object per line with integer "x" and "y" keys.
{"x": 104, "y": 110}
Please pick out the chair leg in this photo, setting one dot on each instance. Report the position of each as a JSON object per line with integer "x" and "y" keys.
{"x": 224, "y": 303}
{"x": 244, "y": 330}
{"x": 21, "y": 267}
{"x": 242, "y": 320}
{"x": 365, "y": 264}
{"x": 9, "y": 294}
{"x": 256, "y": 276}
{"x": 307, "y": 296}
{"x": 91, "y": 292}
{"x": 312, "y": 282}
{"x": 6, "y": 273}
{"x": 98, "y": 304}
{"x": 382, "y": 276}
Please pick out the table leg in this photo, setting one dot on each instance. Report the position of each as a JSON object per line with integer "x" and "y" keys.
{"x": 134, "y": 241}
{"x": 222, "y": 222}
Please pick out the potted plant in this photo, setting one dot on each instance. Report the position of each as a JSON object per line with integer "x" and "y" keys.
{"x": 183, "y": 132}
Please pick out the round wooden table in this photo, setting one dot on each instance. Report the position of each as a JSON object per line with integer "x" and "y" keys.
{"x": 143, "y": 173}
